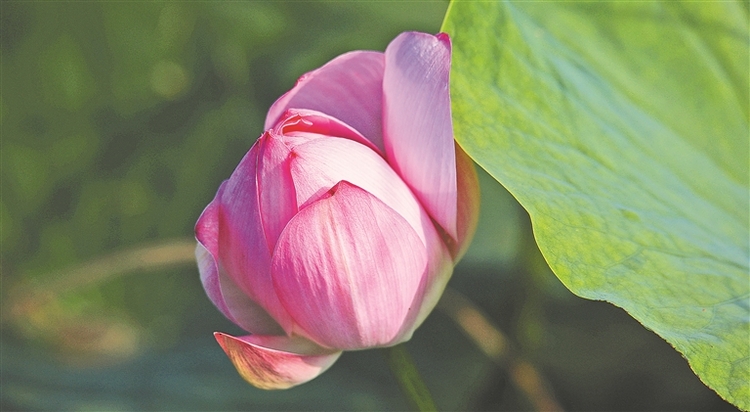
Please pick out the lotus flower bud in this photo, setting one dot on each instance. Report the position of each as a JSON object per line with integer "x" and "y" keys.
{"x": 341, "y": 226}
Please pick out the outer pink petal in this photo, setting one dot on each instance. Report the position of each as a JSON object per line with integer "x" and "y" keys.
{"x": 468, "y": 203}
{"x": 275, "y": 362}
{"x": 234, "y": 235}
{"x": 320, "y": 164}
{"x": 348, "y": 269}
{"x": 230, "y": 300}
{"x": 276, "y": 194}
{"x": 418, "y": 132}
{"x": 348, "y": 88}
{"x": 207, "y": 235}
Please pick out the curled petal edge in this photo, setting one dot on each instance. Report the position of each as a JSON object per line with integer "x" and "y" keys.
{"x": 276, "y": 362}
{"x": 294, "y": 121}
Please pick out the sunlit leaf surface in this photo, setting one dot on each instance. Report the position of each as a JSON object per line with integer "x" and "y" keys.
{"x": 623, "y": 129}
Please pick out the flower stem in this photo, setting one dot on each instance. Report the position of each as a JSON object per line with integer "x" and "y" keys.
{"x": 408, "y": 378}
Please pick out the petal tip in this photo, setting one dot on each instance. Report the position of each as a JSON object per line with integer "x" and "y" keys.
{"x": 264, "y": 362}
{"x": 444, "y": 38}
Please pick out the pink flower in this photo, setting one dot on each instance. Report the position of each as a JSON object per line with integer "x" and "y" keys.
{"x": 340, "y": 227}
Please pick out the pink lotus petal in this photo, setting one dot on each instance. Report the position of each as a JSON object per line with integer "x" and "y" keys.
{"x": 230, "y": 300}
{"x": 417, "y": 130}
{"x": 207, "y": 234}
{"x": 348, "y": 268}
{"x": 468, "y": 203}
{"x": 320, "y": 164}
{"x": 306, "y": 123}
{"x": 348, "y": 88}
{"x": 274, "y": 362}
{"x": 278, "y": 202}
{"x": 434, "y": 281}
{"x": 241, "y": 247}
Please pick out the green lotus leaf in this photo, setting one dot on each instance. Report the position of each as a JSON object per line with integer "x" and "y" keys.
{"x": 622, "y": 127}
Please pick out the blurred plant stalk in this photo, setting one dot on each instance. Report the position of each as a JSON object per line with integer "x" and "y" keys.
{"x": 37, "y": 310}
{"x": 493, "y": 343}
{"x": 105, "y": 268}
{"x": 33, "y": 308}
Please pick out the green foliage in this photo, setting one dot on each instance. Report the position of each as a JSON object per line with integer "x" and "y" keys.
{"x": 622, "y": 128}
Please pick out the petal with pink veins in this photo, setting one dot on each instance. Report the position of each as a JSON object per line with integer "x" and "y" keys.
{"x": 417, "y": 127}
{"x": 349, "y": 88}
{"x": 276, "y": 195}
{"x": 276, "y": 362}
{"x": 348, "y": 268}
{"x": 318, "y": 165}
{"x": 234, "y": 235}
{"x": 230, "y": 300}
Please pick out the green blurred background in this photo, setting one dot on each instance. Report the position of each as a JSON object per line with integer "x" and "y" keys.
{"x": 119, "y": 121}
